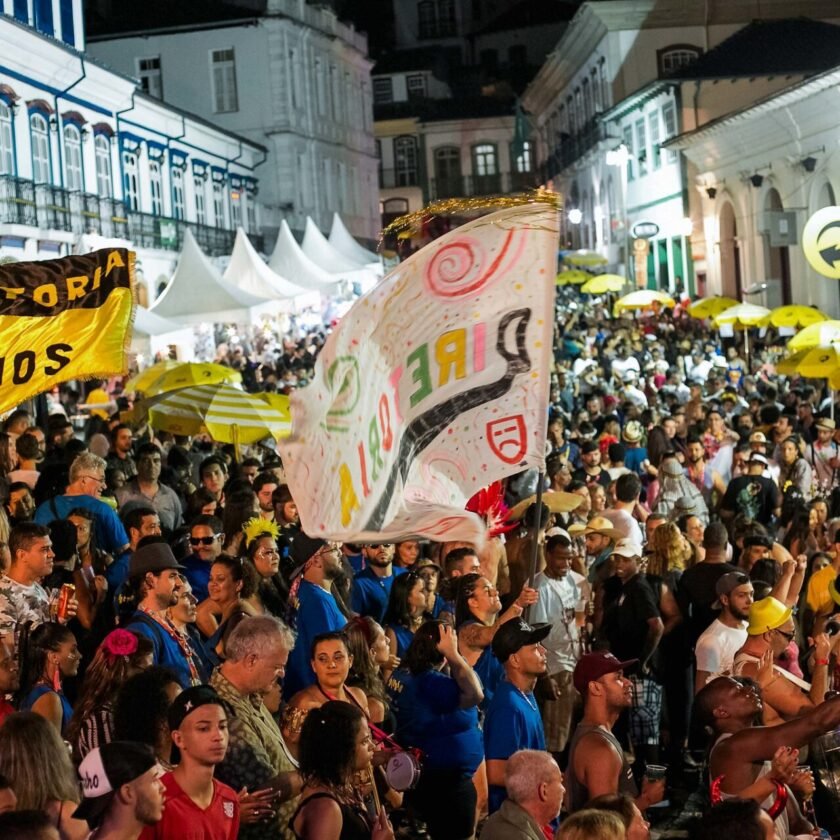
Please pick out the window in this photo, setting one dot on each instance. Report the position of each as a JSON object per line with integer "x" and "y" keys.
{"x": 426, "y": 19}
{"x": 7, "y": 144}
{"x": 523, "y": 162}
{"x": 446, "y": 17}
{"x": 602, "y": 79}
{"x": 405, "y": 161}
{"x": 562, "y": 121}
{"x": 200, "y": 200}
{"x": 570, "y": 107}
{"x": 416, "y": 85}
{"x": 251, "y": 213}
{"x": 218, "y": 205}
{"x": 156, "y": 184}
{"x": 320, "y": 87}
{"x": 587, "y": 100}
{"x": 653, "y": 128}
{"x": 293, "y": 78}
{"x": 224, "y": 81}
{"x": 130, "y": 186}
{"x": 641, "y": 147}
{"x": 73, "y": 176}
{"x": 150, "y": 75}
{"x": 484, "y": 159}
{"x": 436, "y": 18}
{"x": 335, "y": 92}
{"x": 673, "y": 58}
{"x": 44, "y": 17}
{"x": 40, "y": 133}
{"x": 581, "y": 114}
{"x": 21, "y": 9}
{"x": 518, "y": 55}
{"x": 597, "y": 95}
{"x": 449, "y": 182}
{"x": 102, "y": 154}
{"x": 628, "y": 142}
{"x": 68, "y": 25}
{"x": 669, "y": 118}
{"x": 235, "y": 209}
{"x": 178, "y": 192}
{"x": 383, "y": 90}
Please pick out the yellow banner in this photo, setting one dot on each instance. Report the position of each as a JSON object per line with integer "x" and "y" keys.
{"x": 63, "y": 319}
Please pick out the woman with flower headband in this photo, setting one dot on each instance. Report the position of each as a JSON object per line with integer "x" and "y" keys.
{"x": 263, "y": 556}
{"x": 121, "y": 655}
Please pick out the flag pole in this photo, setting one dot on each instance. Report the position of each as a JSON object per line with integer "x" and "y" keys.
{"x": 535, "y": 547}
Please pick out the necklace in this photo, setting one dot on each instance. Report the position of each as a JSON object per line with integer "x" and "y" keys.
{"x": 527, "y": 699}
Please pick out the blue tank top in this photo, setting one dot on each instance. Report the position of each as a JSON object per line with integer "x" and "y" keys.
{"x": 38, "y": 692}
{"x": 404, "y": 637}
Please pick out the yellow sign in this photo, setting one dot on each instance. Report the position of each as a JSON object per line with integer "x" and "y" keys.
{"x": 821, "y": 242}
{"x": 63, "y": 319}
{"x": 641, "y": 247}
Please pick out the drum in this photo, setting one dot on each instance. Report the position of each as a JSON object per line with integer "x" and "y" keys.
{"x": 402, "y": 771}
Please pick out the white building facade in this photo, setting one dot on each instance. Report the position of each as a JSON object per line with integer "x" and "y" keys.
{"x": 86, "y": 158}
{"x": 291, "y": 77}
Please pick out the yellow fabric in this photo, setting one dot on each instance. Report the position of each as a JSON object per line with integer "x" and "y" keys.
{"x": 818, "y": 597}
{"x": 98, "y": 397}
{"x": 63, "y": 319}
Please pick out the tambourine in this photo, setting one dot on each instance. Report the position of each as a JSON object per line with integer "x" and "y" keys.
{"x": 779, "y": 804}
{"x": 402, "y": 772}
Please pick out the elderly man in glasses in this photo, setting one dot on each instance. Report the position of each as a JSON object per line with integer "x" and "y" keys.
{"x": 770, "y": 631}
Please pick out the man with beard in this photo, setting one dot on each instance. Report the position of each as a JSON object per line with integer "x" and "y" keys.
{"x": 513, "y": 719}
{"x": 597, "y": 763}
{"x": 122, "y": 790}
{"x": 154, "y": 578}
{"x": 823, "y": 454}
{"x": 372, "y": 585}
{"x": 313, "y": 605}
{"x": 197, "y": 805}
{"x": 591, "y": 472}
{"x": 122, "y": 444}
{"x": 264, "y": 486}
{"x": 20, "y": 505}
{"x": 722, "y": 639}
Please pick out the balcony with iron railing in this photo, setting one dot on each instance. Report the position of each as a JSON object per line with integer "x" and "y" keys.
{"x": 468, "y": 186}
{"x": 571, "y": 148}
{"x": 395, "y": 178}
{"x": 52, "y": 208}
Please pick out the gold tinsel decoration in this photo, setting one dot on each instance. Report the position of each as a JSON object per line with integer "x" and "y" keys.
{"x": 451, "y": 206}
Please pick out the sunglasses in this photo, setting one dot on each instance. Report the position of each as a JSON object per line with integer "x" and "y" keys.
{"x": 788, "y": 636}
{"x": 204, "y": 540}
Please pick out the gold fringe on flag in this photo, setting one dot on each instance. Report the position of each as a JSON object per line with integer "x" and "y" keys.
{"x": 451, "y": 206}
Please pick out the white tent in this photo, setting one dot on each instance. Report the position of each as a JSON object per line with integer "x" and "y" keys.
{"x": 342, "y": 240}
{"x": 197, "y": 292}
{"x": 153, "y": 334}
{"x": 248, "y": 272}
{"x": 316, "y": 246}
{"x": 288, "y": 260}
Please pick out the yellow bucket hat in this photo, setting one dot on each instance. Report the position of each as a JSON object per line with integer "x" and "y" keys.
{"x": 767, "y": 614}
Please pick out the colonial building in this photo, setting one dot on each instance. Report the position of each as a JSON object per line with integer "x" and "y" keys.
{"x": 86, "y": 156}
{"x": 286, "y": 74}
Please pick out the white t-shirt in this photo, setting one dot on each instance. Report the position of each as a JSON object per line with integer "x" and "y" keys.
{"x": 621, "y": 366}
{"x": 556, "y": 606}
{"x": 626, "y": 524}
{"x": 717, "y": 646}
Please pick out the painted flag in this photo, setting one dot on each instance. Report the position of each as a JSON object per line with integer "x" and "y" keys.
{"x": 432, "y": 386}
{"x": 63, "y": 319}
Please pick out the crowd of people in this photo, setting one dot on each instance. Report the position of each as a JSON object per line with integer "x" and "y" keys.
{"x": 180, "y": 659}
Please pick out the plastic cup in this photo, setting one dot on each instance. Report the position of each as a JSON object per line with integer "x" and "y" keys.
{"x": 655, "y": 772}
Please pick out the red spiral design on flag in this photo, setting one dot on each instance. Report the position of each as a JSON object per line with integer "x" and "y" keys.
{"x": 456, "y": 269}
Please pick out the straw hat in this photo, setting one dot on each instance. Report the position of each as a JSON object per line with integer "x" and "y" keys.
{"x": 555, "y": 501}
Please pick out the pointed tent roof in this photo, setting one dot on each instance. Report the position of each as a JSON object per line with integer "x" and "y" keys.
{"x": 197, "y": 292}
{"x": 317, "y": 247}
{"x": 248, "y": 272}
{"x": 288, "y": 260}
{"x": 342, "y": 240}
{"x": 147, "y": 323}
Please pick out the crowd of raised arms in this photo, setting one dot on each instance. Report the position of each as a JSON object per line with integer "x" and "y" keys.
{"x": 179, "y": 659}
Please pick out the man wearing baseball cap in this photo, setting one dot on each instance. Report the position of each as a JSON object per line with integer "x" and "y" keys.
{"x": 513, "y": 719}
{"x": 122, "y": 790}
{"x": 755, "y": 495}
{"x": 155, "y": 580}
{"x": 196, "y": 803}
{"x": 824, "y": 454}
{"x": 722, "y": 639}
{"x": 597, "y": 764}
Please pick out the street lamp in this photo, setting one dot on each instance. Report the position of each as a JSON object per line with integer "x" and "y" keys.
{"x": 575, "y": 216}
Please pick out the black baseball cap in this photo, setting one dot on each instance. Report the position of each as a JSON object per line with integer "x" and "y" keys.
{"x": 516, "y": 634}
{"x": 188, "y": 701}
{"x": 758, "y": 539}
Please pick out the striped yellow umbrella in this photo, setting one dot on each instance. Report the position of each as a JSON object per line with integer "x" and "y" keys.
{"x": 280, "y": 402}
{"x": 223, "y": 411}
{"x": 584, "y": 258}
{"x": 816, "y": 335}
{"x": 743, "y": 315}
{"x": 604, "y": 283}
{"x": 796, "y": 316}
{"x": 189, "y": 374}
{"x": 788, "y": 365}
{"x": 643, "y": 299}
{"x": 140, "y": 381}
{"x": 572, "y": 277}
{"x": 711, "y": 306}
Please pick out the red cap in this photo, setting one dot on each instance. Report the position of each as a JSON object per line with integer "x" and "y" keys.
{"x": 596, "y": 665}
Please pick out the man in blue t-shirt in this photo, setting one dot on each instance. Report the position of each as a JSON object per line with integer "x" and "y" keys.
{"x": 372, "y": 585}
{"x": 206, "y": 538}
{"x": 314, "y": 609}
{"x": 513, "y": 719}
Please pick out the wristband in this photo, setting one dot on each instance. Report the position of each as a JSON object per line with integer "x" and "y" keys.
{"x": 820, "y": 662}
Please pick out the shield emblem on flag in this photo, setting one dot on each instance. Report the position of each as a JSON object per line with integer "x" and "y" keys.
{"x": 507, "y": 438}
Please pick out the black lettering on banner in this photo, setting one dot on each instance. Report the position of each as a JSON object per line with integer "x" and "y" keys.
{"x": 25, "y": 363}
{"x": 24, "y": 367}
{"x": 54, "y": 352}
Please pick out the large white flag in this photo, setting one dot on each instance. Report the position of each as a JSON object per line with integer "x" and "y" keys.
{"x": 432, "y": 386}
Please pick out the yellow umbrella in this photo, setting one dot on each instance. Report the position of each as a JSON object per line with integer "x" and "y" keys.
{"x": 604, "y": 283}
{"x": 140, "y": 381}
{"x": 280, "y": 402}
{"x": 226, "y": 413}
{"x": 643, "y": 299}
{"x": 816, "y": 335}
{"x": 820, "y": 362}
{"x": 584, "y": 258}
{"x": 788, "y": 365}
{"x": 711, "y": 306}
{"x": 796, "y": 316}
{"x": 188, "y": 374}
{"x": 572, "y": 277}
{"x": 743, "y": 315}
